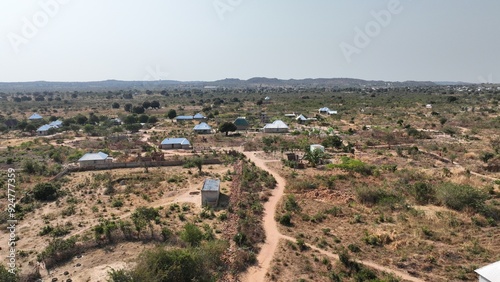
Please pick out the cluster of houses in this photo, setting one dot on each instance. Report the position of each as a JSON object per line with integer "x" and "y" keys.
{"x": 196, "y": 117}
{"x": 326, "y": 110}
{"x": 46, "y": 129}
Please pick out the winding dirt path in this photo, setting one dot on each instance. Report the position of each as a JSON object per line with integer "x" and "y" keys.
{"x": 273, "y": 236}
{"x": 265, "y": 256}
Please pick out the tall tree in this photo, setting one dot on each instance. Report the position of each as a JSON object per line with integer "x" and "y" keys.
{"x": 227, "y": 127}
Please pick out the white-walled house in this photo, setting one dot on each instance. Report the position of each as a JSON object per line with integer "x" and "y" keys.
{"x": 277, "y": 126}
{"x": 91, "y": 159}
{"x": 203, "y": 128}
{"x": 175, "y": 143}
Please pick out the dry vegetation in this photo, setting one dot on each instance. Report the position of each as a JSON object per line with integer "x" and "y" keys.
{"x": 400, "y": 185}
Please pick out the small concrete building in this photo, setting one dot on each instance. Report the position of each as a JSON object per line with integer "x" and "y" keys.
{"x": 175, "y": 143}
{"x": 91, "y": 159}
{"x": 489, "y": 273}
{"x": 277, "y": 126}
{"x": 203, "y": 128}
{"x": 199, "y": 116}
{"x": 315, "y": 147}
{"x": 46, "y": 129}
{"x": 183, "y": 118}
{"x": 326, "y": 110}
{"x": 241, "y": 123}
{"x": 43, "y": 130}
{"x": 210, "y": 192}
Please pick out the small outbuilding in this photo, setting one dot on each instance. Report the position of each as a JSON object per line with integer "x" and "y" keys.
{"x": 183, "y": 118}
{"x": 241, "y": 123}
{"x": 210, "y": 192}
{"x": 203, "y": 128}
{"x": 175, "y": 143}
{"x": 199, "y": 116}
{"x": 315, "y": 147}
{"x": 35, "y": 117}
{"x": 44, "y": 130}
{"x": 277, "y": 126}
{"x": 489, "y": 273}
{"x": 91, "y": 159}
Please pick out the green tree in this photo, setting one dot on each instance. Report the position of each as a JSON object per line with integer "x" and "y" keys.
{"x": 155, "y": 104}
{"x": 88, "y": 128}
{"x": 314, "y": 157}
{"x": 143, "y": 118}
{"x": 191, "y": 234}
{"x": 146, "y": 105}
{"x": 138, "y": 110}
{"x": 152, "y": 119}
{"x": 128, "y": 107}
{"x": 45, "y": 191}
{"x": 115, "y": 105}
{"x": 171, "y": 114}
{"x": 332, "y": 141}
{"x": 227, "y": 127}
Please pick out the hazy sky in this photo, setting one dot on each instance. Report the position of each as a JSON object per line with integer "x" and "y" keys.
{"x": 88, "y": 40}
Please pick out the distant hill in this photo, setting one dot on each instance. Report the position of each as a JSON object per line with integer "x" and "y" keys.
{"x": 256, "y": 82}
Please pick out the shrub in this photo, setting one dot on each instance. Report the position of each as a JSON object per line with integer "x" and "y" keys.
{"x": 45, "y": 191}
{"x": 423, "y": 192}
{"x": 191, "y": 234}
{"x": 458, "y": 197}
{"x": 375, "y": 195}
{"x": 353, "y": 165}
{"x": 291, "y": 204}
{"x": 286, "y": 219}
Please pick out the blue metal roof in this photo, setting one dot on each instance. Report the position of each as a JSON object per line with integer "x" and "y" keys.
{"x": 56, "y": 123}
{"x": 211, "y": 185}
{"x": 198, "y": 116}
{"x": 175, "y": 141}
{"x": 94, "y": 157}
{"x": 35, "y": 116}
{"x": 44, "y": 128}
{"x": 202, "y": 126}
{"x": 184, "y": 117}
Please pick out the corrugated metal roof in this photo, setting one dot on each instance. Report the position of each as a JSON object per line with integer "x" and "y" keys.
{"x": 276, "y": 124}
{"x": 56, "y": 123}
{"x": 184, "y": 117}
{"x": 94, "y": 157}
{"x": 490, "y": 272}
{"x": 211, "y": 185}
{"x": 325, "y": 109}
{"x": 202, "y": 126}
{"x": 301, "y": 117}
{"x": 175, "y": 141}
{"x": 241, "y": 121}
{"x": 198, "y": 116}
{"x": 35, "y": 116}
{"x": 44, "y": 128}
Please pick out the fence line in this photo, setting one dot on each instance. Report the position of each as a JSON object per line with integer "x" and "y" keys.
{"x": 115, "y": 165}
